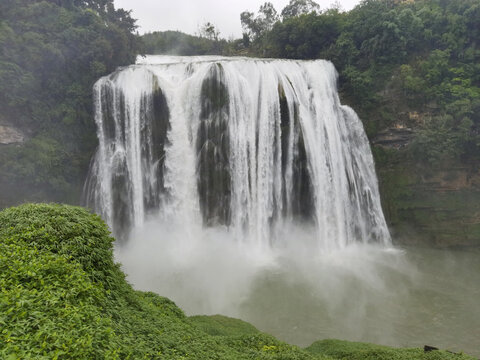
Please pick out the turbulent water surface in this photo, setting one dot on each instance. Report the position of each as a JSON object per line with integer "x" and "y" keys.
{"x": 243, "y": 187}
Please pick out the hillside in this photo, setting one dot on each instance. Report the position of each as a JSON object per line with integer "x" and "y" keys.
{"x": 51, "y": 53}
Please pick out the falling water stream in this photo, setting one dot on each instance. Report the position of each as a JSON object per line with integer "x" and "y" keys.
{"x": 243, "y": 187}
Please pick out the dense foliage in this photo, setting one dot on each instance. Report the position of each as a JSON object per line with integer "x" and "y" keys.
{"x": 63, "y": 297}
{"x": 408, "y": 63}
{"x": 51, "y": 53}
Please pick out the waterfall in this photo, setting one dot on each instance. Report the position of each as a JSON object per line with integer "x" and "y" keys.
{"x": 251, "y": 145}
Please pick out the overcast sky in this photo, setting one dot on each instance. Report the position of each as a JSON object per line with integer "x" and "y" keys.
{"x": 189, "y": 15}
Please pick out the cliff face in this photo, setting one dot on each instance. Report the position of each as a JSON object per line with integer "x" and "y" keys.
{"x": 432, "y": 207}
{"x": 425, "y": 203}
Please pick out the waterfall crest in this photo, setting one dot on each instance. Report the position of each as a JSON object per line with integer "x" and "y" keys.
{"x": 248, "y": 144}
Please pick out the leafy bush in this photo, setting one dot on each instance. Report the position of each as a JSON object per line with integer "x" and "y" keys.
{"x": 218, "y": 325}
{"x": 49, "y": 308}
{"x": 68, "y": 231}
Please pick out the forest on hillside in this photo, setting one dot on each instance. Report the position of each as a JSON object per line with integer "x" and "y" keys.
{"x": 51, "y": 53}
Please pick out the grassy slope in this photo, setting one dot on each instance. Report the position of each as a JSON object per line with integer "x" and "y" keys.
{"x": 344, "y": 350}
{"x": 62, "y": 297}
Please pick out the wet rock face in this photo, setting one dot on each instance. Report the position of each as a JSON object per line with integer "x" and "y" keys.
{"x": 302, "y": 205}
{"x": 115, "y": 116}
{"x": 434, "y": 206}
{"x": 10, "y": 135}
{"x": 121, "y": 199}
{"x": 213, "y": 148}
{"x": 438, "y": 209}
{"x": 155, "y": 139}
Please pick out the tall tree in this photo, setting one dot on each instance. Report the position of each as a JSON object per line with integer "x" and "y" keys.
{"x": 299, "y": 7}
{"x": 209, "y": 31}
{"x": 254, "y": 26}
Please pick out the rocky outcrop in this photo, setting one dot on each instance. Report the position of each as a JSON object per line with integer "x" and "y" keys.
{"x": 395, "y": 137}
{"x": 10, "y": 135}
{"x": 213, "y": 148}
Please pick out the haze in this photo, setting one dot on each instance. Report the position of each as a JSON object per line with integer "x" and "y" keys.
{"x": 188, "y": 15}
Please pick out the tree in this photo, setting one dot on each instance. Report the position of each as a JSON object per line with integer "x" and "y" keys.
{"x": 268, "y": 16}
{"x": 254, "y": 26}
{"x": 299, "y": 7}
{"x": 209, "y": 31}
{"x": 249, "y": 25}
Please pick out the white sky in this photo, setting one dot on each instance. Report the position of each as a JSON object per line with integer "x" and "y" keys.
{"x": 189, "y": 15}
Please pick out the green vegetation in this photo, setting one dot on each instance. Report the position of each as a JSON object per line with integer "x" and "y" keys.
{"x": 63, "y": 297}
{"x": 219, "y": 325}
{"x": 51, "y": 53}
{"x": 361, "y": 351}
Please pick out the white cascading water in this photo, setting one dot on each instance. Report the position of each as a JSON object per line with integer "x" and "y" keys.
{"x": 249, "y": 144}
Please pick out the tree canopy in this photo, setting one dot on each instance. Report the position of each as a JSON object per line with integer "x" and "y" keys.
{"x": 299, "y": 7}
{"x": 255, "y": 25}
{"x": 51, "y": 52}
